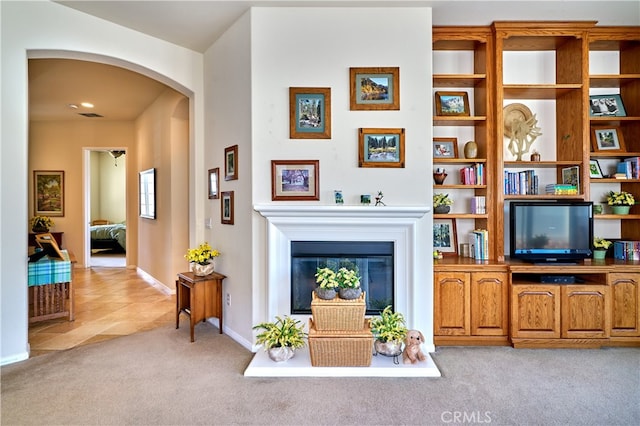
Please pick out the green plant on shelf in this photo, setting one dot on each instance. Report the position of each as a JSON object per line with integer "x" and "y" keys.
{"x": 440, "y": 199}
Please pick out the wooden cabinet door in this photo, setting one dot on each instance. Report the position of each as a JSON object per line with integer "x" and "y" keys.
{"x": 489, "y": 304}
{"x": 584, "y": 311}
{"x": 452, "y": 304}
{"x": 535, "y": 311}
{"x": 625, "y": 304}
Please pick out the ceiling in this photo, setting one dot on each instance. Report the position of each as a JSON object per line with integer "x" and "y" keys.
{"x": 119, "y": 94}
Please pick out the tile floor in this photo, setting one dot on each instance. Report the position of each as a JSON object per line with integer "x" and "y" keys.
{"x": 110, "y": 302}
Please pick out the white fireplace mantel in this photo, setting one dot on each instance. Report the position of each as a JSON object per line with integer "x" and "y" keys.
{"x": 403, "y": 225}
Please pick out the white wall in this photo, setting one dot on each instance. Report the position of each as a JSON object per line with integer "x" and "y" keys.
{"x": 315, "y": 47}
{"x": 33, "y": 27}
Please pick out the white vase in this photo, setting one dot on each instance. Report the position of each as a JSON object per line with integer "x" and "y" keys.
{"x": 202, "y": 270}
{"x": 281, "y": 354}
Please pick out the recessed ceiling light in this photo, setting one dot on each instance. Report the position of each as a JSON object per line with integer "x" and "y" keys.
{"x": 87, "y": 104}
{"x": 73, "y": 106}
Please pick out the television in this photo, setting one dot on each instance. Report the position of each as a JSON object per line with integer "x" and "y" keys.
{"x": 550, "y": 231}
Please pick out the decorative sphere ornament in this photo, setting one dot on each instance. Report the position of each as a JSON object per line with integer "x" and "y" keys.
{"x": 470, "y": 149}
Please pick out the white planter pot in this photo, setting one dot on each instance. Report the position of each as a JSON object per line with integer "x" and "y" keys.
{"x": 281, "y": 354}
{"x": 202, "y": 270}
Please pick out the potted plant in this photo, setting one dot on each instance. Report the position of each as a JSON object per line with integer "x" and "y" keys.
{"x": 600, "y": 247}
{"x": 327, "y": 283}
{"x": 41, "y": 223}
{"x": 348, "y": 283}
{"x": 389, "y": 330}
{"x": 442, "y": 203}
{"x": 201, "y": 259}
{"x": 281, "y": 338}
{"x": 620, "y": 202}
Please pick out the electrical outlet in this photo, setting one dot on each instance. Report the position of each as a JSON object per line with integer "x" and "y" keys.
{"x": 228, "y": 299}
{"x": 208, "y": 223}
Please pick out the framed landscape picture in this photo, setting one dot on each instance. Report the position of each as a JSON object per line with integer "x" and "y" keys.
{"x": 381, "y": 148}
{"x": 48, "y": 192}
{"x": 295, "y": 180}
{"x": 594, "y": 169}
{"x": 452, "y": 103}
{"x": 374, "y": 88}
{"x": 571, "y": 176}
{"x": 445, "y": 237}
{"x": 310, "y": 113}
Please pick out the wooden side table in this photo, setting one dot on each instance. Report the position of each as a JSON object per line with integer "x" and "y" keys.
{"x": 199, "y": 298}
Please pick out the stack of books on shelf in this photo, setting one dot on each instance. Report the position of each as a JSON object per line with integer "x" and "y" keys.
{"x": 479, "y": 244}
{"x": 626, "y": 250}
{"x": 520, "y": 183}
{"x": 473, "y": 175}
{"x": 628, "y": 169}
{"x": 479, "y": 204}
{"x": 561, "y": 189}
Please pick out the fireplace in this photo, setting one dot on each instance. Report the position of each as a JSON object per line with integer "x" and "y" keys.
{"x": 373, "y": 261}
{"x": 406, "y": 227}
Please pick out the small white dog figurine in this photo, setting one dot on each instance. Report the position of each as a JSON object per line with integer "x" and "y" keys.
{"x": 412, "y": 352}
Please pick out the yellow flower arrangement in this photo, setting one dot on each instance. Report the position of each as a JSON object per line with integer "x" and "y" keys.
{"x": 41, "y": 222}
{"x": 202, "y": 254}
{"x": 620, "y": 199}
{"x": 601, "y": 243}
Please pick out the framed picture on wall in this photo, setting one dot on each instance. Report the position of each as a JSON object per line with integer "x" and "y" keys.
{"x": 310, "y": 113}
{"x": 147, "y": 194}
{"x": 381, "y": 148}
{"x": 295, "y": 180}
{"x": 445, "y": 236}
{"x": 231, "y": 163}
{"x": 226, "y": 208}
{"x": 48, "y": 192}
{"x": 374, "y": 88}
{"x": 214, "y": 183}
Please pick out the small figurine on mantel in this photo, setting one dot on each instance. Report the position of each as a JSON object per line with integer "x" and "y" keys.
{"x": 379, "y": 199}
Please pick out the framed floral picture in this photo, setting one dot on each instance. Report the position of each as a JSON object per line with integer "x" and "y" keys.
{"x": 295, "y": 180}
{"x": 445, "y": 147}
{"x": 48, "y": 192}
{"x": 310, "y": 113}
{"x": 381, "y": 148}
{"x": 374, "y": 88}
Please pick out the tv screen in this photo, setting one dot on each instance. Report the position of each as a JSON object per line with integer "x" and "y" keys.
{"x": 551, "y": 231}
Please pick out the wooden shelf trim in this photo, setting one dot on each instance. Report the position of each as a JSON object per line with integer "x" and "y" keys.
{"x": 458, "y": 80}
{"x": 437, "y": 160}
{"x": 616, "y": 216}
{"x": 540, "y": 164}
{"x": 538, "y": 91}
{"x": 460, "y": 216}
{"x": 444, "y": 120}
{"x": 459, "y": 186}
{"x": 611, "y": 80}
{"x": 617, "y": 154}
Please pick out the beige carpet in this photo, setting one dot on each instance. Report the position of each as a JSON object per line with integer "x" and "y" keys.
{"x": 159, "y": 377}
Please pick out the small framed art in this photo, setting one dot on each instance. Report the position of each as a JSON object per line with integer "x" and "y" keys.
{"x": 295, "y": 180}
{"x": 148, "y": 194}
{"x": 231, "y": 163}
{"x": 310, "y": 113}
{"x": 452, "y": 103}
{"x": 607, "y": 139}
{"x": 374, "y": 88}
{"x": 445, "y": 147}
{"x": 445, "y": 237}
{"x": 226, "y": 208}
{"x": 571, "y": 176}
{"x": 595, "y": 172}
{"x": 606, "y": 106}
{"x": 214, "y": 183}
{"x": 48, "y": 192}
{"x": 381, "y": 148}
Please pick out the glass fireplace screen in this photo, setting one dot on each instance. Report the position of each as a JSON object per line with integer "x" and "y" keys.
{"x": 373, "y": 260}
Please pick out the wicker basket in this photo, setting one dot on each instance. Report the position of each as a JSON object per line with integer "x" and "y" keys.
{"x": 341, "y": 348}
{"x": 338, "y": 314}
